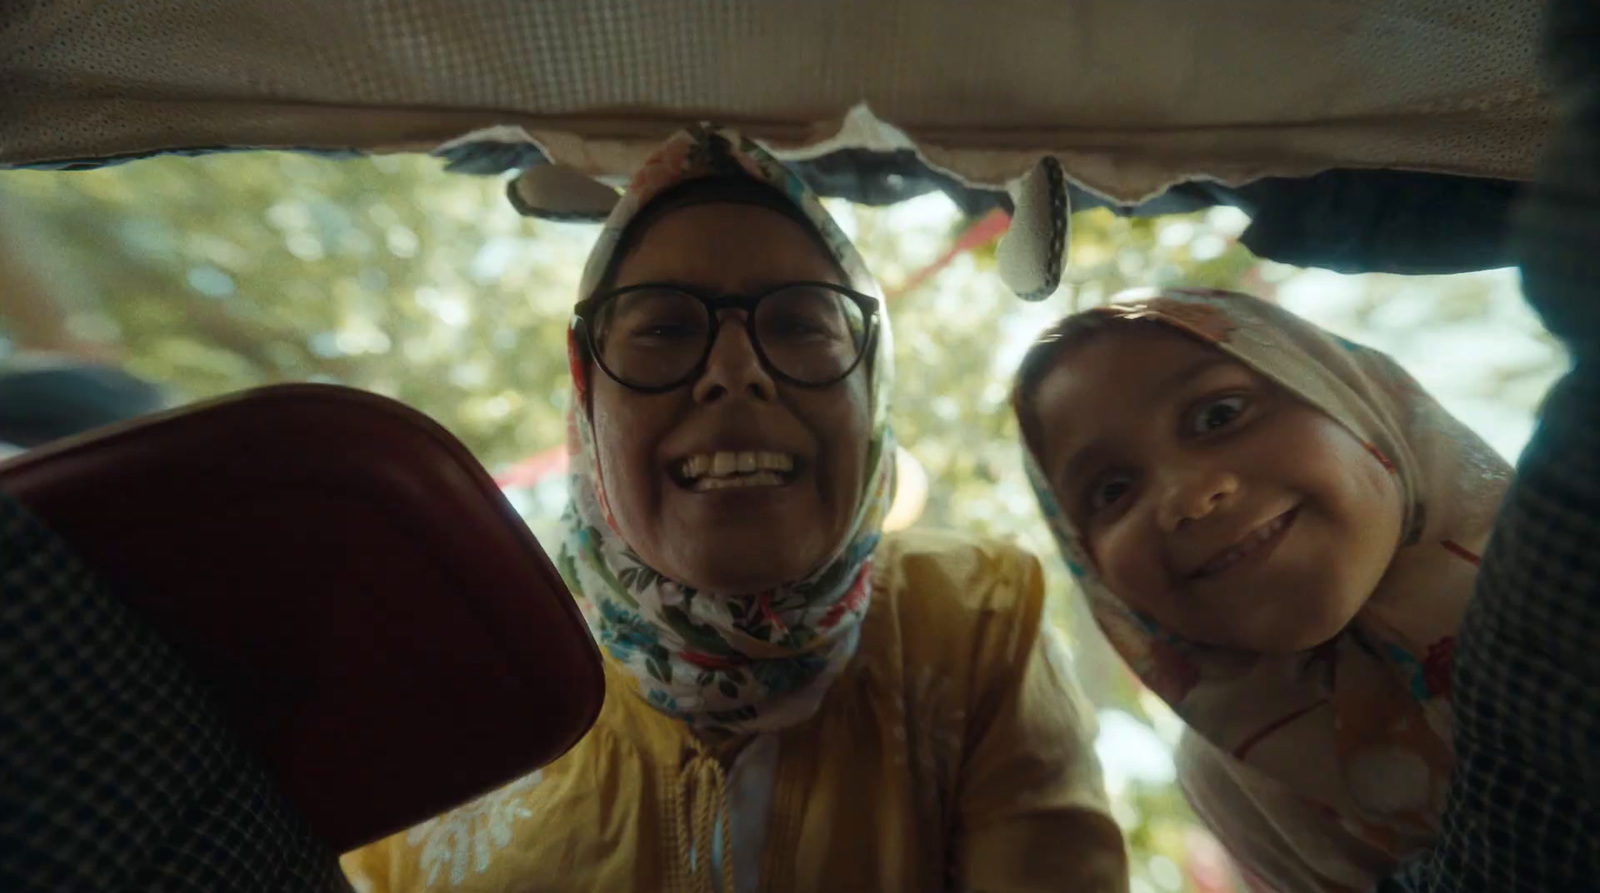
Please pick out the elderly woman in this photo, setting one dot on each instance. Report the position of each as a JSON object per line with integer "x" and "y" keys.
{"x": 795, "y": 702}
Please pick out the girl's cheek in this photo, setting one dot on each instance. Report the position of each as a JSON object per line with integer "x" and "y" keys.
{"x": 1371, "y": 482}
{"x": 1115, "y": 553}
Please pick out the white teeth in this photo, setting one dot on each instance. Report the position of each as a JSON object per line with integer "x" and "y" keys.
{"x": 758, "y": 479}
{"x": 1256, "y": 538}
{"x": 776, "y": 461}
{"x": 726, "y": 464}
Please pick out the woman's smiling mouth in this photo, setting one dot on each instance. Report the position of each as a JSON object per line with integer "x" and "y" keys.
{"x": 726, "y": 470}
{"x": 1257, "y": 543}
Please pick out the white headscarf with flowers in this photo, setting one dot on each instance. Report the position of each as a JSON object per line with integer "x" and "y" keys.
{"x": 735, "y": 664}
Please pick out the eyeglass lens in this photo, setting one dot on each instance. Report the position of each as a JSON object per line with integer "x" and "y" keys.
{"x": 656, "y": 337}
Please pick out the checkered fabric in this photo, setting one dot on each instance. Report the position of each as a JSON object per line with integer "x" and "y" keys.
{"x": 1524, "y": 809}
{"x": 116, "y": 773}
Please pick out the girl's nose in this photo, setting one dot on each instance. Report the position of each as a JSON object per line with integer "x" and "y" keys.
{"x": 1194, "y": 494}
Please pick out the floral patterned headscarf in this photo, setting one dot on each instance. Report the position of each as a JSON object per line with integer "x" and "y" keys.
{"x": 1358, "y": 729}
{"x": 734, "y": 664}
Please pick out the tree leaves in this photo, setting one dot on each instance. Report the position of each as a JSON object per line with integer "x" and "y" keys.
{"x": 394, "y": 277}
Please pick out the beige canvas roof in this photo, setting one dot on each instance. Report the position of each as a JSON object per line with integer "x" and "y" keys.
{"x": 1130, "y": 95}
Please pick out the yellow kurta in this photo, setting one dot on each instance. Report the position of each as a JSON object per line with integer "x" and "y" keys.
{"x": 954, "y": 752}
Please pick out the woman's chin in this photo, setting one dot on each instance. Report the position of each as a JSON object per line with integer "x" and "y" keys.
{"x": 729, "y": 581}
{"x": 718, "y": 550}
{"x": 732, "y": 570}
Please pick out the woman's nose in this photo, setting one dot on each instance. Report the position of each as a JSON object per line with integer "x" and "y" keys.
{"x": 1195, "y": 493}
{"x": 733, "y": 367}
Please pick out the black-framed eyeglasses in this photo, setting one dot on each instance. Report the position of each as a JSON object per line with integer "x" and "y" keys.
{"x": 655, "y": 337}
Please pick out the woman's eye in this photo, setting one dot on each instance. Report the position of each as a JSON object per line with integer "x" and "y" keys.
{"x": 665, "y": 330}
{"x": 798, "y": 326}
{"x": 1217, "y": 414}
{"x": 795, "y": 328}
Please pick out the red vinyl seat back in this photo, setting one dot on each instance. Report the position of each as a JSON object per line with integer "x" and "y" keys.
{"x": 373, "y": 616}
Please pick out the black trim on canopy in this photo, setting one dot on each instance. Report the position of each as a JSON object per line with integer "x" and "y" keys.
{"x": 1346, "y": 220}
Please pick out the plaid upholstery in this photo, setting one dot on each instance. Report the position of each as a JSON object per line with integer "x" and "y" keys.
{"x": 1524, "y": 809}
{"x": 115, "y": 771}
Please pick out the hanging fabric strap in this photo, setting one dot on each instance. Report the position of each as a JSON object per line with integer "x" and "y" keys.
{"x": 703, "y": 858}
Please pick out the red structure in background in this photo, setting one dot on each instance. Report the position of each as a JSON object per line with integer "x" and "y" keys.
{"x": 530, "y": 471}
{"x": 989, "y": 227}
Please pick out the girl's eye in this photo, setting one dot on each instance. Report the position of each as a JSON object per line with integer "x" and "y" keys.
{"x": 1106, "y": 492}
{"x": 1217, "y": 414}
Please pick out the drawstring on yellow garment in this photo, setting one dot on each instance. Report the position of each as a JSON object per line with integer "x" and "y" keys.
{"x": 700, "y": 824}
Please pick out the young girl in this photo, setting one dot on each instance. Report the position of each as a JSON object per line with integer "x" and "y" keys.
{"x": 1279, "y": 531}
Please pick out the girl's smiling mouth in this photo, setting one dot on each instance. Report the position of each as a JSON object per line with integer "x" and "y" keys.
{"x": 1256, "y": 544}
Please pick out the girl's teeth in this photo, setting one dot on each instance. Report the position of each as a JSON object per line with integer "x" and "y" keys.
{"x": 724, "y": 464}
{"x": 1227, "y": 558}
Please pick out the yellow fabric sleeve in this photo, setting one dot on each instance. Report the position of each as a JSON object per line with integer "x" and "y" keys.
{"x": 368, "y": 867}
{"x": 1032, "y": 812}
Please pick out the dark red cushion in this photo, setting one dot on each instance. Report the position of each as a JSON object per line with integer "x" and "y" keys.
{"x": 382, "y": 627}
